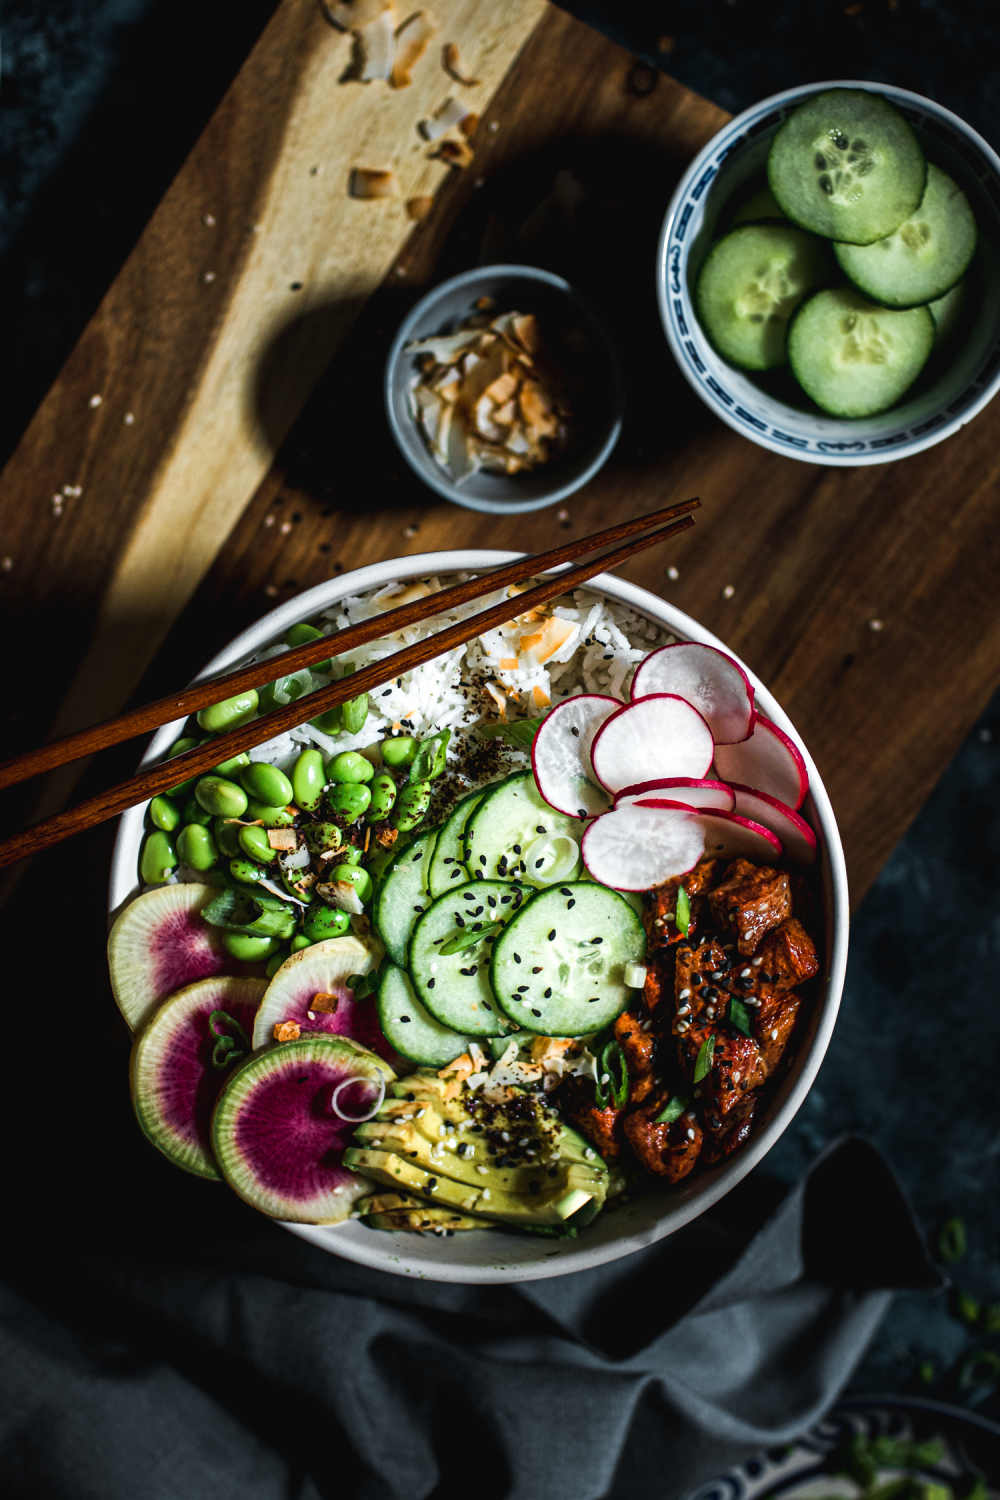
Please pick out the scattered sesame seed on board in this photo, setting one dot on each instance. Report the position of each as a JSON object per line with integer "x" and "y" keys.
{"x": 875, "y": 625}
{"x": 95, "y": 400}
{"x": 673, "y": 574}
{"x": 128, "y": 419}
{"x": 728, "y": 591}
{"x": 208, "y": 276}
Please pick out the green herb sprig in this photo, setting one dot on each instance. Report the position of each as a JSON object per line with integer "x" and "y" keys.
{"x": 672, "y": 1110}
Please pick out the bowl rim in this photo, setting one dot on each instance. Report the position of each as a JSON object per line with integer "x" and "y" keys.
{"x": 531, "y": 1260}
{"x": 701, "y": 170}
{"x": 435, "y": 478}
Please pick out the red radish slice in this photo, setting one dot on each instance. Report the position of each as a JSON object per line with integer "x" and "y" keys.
{"x": 659, "y": 736}
{"x": 768, "y": 761}
{"x": 730, "y": 837}
{"x": 320, "y": 973}
{"x": 713, "y": 794}
{"x": 632, "y": 849}
{"x": 560, "y": 755}
{"x": 793, "y": 830}
{"x": 159, "y": 944}
{"x": 173, "y": 1082}
{"x": 708, "y": 679}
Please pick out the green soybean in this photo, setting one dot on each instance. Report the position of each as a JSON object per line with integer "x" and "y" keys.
{"x": 227, "y": 837}
{"x": 308, "y": 780}
{"x": 230, "y": 712}
{"x": 350, "y": 800}
{"x": 298, "y": 635}
{"x": 350, "y": 854}
{"x": 196, "y": 847}
{"x": 271, "y": 817}
{"x": 349, "y": 766}
{"x": 323, "y": 921}
{"x": 250, "y": 949}
{"x": 231, "y": 769}
{"x": 383, "y": 798}
{"x": 290, "y": 687}
{"x": 164, "y": 813}
{"x": 178, "y": 748}
{"x": 275, "y": 961}
{"x": 266, "y": 784}
{"x": 223, "y": 799}
{"x": 253, "y": 843}
{"x": 400, "y": 750}
{"x": 320, "y": 836}
{"x": 246, "y": 871}
{"x": 332, "y": 722}
{"x": 300, "y": 941}
{"x": 159, "y": 858}
{"x": 360, "y": 879}
{"x": 193, "y": 812}
{"x": 411, "y": 805}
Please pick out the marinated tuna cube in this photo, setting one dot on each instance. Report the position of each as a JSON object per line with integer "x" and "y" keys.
{"x": 787, "y": 957}
{"x": 773, "y": 1023}
{"x": 602, "y": 1127}
{"x": 737, "y": 1066}
{"x": 659, "y": 986}
{"x": 724, "y": 1133}
{"x": 751, "y": 901}
{"x": 667, "y": 1150}
{"x": 661, "y": 919}
{"x": 637, "y": 1047}
{"x": 699, "y": 985}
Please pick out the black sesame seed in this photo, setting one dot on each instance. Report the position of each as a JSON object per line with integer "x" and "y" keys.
{"x": 547, "y": 995}
{"x": 460, "y": 920}
{"x": 581, "y": 812}
{"x": 504, "y": 900}
{"x": 553, "y": 1171}
{"x": 411, "y": 1098}
{"x": 430, "y": 984}
{"x": 517, "y": 958}
{"x": 521, "y": 989}
{"x": 404, "y": 1018}
{"x": 418, "y": 908}
{"x": 564, "y": 890}
{"x": 488, "y": 1006}
{"x": 537, "y": 969}
{"x": 517, "y": 848}
{"x": 593, "y": 999}
{"x": 456, "y": 874}
{"x": 418, "y": 856}
{"x": 536, "y": 1012}
{"x": 574, "y": 730}
{"x": 447, "y": 860}
{"x": 491, "y": 901}
{"x": 478, "y": 913}
{"x": 570, "y": 904}
{"x": 539, "y": 829}
{"x": 387, "y": 693}
{"x": 597, "y": 940}
{"x": 468, "y": 896}
{"x": 533, "y": 1187}
{"x": 539, "y": 863}
{"x": 552, "y": 934}
{"x": 432, "y": 1182}
{"x": 482, "y": 859}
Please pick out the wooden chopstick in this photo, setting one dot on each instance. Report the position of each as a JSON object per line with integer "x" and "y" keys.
{"x": 161, "y": 778}
{"x": 201, "y": 695}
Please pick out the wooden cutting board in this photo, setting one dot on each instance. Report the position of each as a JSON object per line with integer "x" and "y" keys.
{"x": 864, "y": 598}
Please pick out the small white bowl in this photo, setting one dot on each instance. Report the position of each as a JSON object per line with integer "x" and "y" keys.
{"x": 969, "y": 379}
{"x": 490, "y": 1257}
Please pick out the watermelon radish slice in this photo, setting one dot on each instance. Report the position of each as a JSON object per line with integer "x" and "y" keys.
{"x": 708, "y": 679}
{"x": 560, "y": 755}
{"x": 767, "y": 761}
{"x": 171, "y": 1077}
{"x": 311, "y": 989}
{"x": 792, "y": 829}
{"x": 159, "y": 944}
{"x": 656, "y": 737}
{"x": 635, "y": 849}
{"x": 284, "y": 1119}
{"x": 693, "y": 793}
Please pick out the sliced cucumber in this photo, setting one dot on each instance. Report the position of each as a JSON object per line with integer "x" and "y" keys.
{"x": 455, "y": 987}
{"x": 559, "y": 966}
{"x": 409, "y": 1028}
{"x": 448, "y": 865}
{"x": 751, "y": 283}
{"x": 847, "y": 166}
{"x": 402, "y": 895}
{"x": 760, "y": 205}
{"x": 927, "y": 255}
{"x": 853, "y": 358}
{"x": 515, "y": 835}
{"x": 947, "y": 313}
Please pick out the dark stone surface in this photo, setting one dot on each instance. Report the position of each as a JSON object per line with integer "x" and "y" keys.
{"x": 99, "y": 104}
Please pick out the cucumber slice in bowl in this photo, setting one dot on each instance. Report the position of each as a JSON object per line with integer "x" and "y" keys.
{"x": 847, "y": 166}
{"x": 750, "y": 285}
{"x": 928, "y": 254}
{"x": 284, "y": 1120}
{"x": 447, "y": 865}
{"x": 410, "y": 1028}
{"x": 402, "y": 894}
{"x": 454, "y": 986}
{"x": 559, "y": 966}
{"x": 854, "y": 358}
{"x": 515, "y": 835}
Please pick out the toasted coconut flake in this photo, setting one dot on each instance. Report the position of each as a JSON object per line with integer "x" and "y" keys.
{"x": 287, "y": 1031}
{"x": 541, "y": 699}
{"x": 452, "y": 112}
{"x": 342, "y": 894}
{"x": 452, "y": 64}
{"x": 501, "y": 389}
{"x": 354, "y": 15}
{"x": 498, "y": 697}
{"x": 418, "y": 208}
{"x": 412, "y": 40}
{"x": 455, "y": 153}
{"x": 325, "y": 1002}
{"x": 386, "y": 837}
{"x": 282, "y": 838}
{"x": 509, "y": 664}
{"x": 377, "y": 44}
{"x": 447, "y": 349}
{"x": 366, "y": 183}
{"x": 527, "y": 332}
{"x": 469, "y": 125}
{"x": 546, "y": 642}
{"x": 406, "y": 595}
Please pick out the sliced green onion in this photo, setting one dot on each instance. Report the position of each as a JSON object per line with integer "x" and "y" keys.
{"x": 521, "y": 732}
{"x": 966, "y": 1308}
{"x": 951, "y": 1240}
{"x": 467, "y": 938}
{"x": 683, "y": 917}
{"x": 227, "y": 1049}
{"x": 738, "y": 1016}
{"x": 979, "y": 1369}
{"x": 703, "y": 1066}
{"x": 611, "y": 1066}
{"x": 430, "y": 758}
{"x": 672, "y": 1110}
{"x": 361, "y": 985}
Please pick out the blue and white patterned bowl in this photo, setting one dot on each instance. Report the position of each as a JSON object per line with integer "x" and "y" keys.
{"x": 936, "y": 409}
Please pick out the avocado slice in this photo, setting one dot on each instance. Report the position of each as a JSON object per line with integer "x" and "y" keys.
{"x": 401, "y": 1211}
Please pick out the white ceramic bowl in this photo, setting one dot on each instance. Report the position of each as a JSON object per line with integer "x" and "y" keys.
{"x": 497, "y": 1257}
{"x": 970, "y": 376}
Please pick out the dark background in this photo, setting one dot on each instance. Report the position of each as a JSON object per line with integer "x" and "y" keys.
{"x": 99, "y": 104}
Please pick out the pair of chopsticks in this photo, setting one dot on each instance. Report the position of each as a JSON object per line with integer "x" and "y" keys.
{"x": 157, "y": 779}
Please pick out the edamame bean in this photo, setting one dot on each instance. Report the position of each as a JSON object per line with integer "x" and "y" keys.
{"x": 159, "y": 858}
{"x": 349, "y": 766}
{"x": 178, "y": 748}
{"x": 227, "y": 837}
{"x": 383, "y": 798}
{"x": 350, "y": 854}
{"x": 360, "y": 879}
{"x": 249, "y": 949}
{"x": 350, "y": 799}
{"x": 193, "y": 812}
{"x": 275, "y": 961}
{"x": 411, "y": 805}
{"x": 308, "y": 780}
{"x": 331, "y": 722}
{"x": 300, "y": 941}
{"x": 231, "y": 769}
{"x": 228, "y": 713}
{"x": 266, "y": 784}
{"x": 164, "y": 813}
{"x": 291, "y": 687}
{"x": 196, "y": 847}
{"x": 400, "y": 750}
{"x": 299, "y": 634}
{"x": 271, "y": 817}
{"x": 253, "y": 842}
{"x": 320, "y": 836}
{"x": 223, "y": 799}
{"x": 323, "y": 921}
{"x": 246, "y": 871}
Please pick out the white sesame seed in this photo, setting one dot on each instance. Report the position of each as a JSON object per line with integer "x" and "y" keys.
{"x": 128, "y": 418}
{"x": 589, "y": 1154}
{"x": 756, "y": 962}
{"x": 483, "y": 1170}
{"x": 311, "y": 1014}
{"x": 690, "y": 1135}
{"x": 270, "y": 590}
{"x": 268, "y": 520}
{"x": 683, "y": 994}
{"x": 493, "y": 127}
{"x": 208, "y": 220}
{"x": 728, "y": 591}
{"x": 697, "y": 1093}
{"x": 673, "y": 574}
{"x": 95, "y": 400}
{"x": 875, "y": 625}
{"x": 737, "y": 1077}
{"x": 744, "y": 973}
{"x": 420, "y": 1115}
{"x": 208, "y": 276}
{"x": 285, "y": 527}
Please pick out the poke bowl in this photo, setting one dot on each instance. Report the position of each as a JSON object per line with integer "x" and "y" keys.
{"x": 634, "y": 1108}
{"x": 726, "y": 186}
